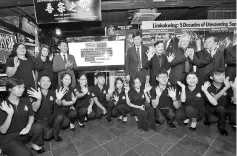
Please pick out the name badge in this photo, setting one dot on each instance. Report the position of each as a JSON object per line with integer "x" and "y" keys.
{"x": 104, "y": 92}
{"x": 26, "y": 108}
{"x": 198, "y": 95}
{"x": 51, "y": 98}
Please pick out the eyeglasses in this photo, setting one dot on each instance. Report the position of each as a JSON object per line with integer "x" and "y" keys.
{"x": 82, "y": 79}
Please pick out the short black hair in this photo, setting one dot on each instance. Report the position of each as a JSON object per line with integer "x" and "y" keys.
{"x": 158, "y": 42}
{"x": 152, "y": 38}
{"x": 44, "y": 75}
{"x": 137, "y": 33}
{"x": 216, "y": 71}
{"x": 99, "y": 74}
{"x": 12, "y": 82}
{"x": 62, "y": 41}
{"x": 215, "y": 38}
{"x": 162, "y": 72}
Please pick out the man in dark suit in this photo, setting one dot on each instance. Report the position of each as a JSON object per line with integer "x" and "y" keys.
{"x": 208, "y": 59}
{"x": 157, "y": 62}
{"x": 64, "y": 62}
{"x": 228, "y": 42}
{"x": 180, "y": 64}
{"x": 170, "y": 44}
{"x": 230, "y": 60}
{"x": 135, "y": 61}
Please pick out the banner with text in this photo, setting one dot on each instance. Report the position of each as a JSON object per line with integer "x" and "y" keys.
{"x": 55, "y": 11}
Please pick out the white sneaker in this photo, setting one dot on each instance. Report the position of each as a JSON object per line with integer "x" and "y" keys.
{"x": 136, "y": 118}
{"x": 125, "y": 119}
{"x": 120, "y": 117}
{"x": 186, "y": 121}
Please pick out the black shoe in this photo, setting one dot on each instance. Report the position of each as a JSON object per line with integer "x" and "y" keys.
{"x": 82, "y": 126}
{"x": 222, "y": 130}
{"x": 109, "y": 120}
{"x": 73, "y": 129}
{"x": 185, "y": 124}
{"x": 192, "y": 128}
{"x": 57, "y": 138}
{"x": 40, "y": 151}
{"x": 172, "y": 125}
{"x": 206, "y": 123}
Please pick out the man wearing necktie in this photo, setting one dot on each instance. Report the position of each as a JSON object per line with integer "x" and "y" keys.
{"x": 208, "y": 59}
{"x": 135, "y": 60}
{"x": 64, "y": 62}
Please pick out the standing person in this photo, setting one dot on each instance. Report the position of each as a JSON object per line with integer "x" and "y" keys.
{"x": 192, "y": 99}
{"x": 180, "y": 64}
{"x": 207, "y": 59}
{"x": 169, "y": 44}
{"x": 64, "y": 62}
{"x": 220, "y": 90}
{"x": 20, "y": 65}
{"x": 67, "y": 108}
{"x": 118, "y": 106}
{"x": 51, "y": 121}
{"x": 231, "y": 109}
{"x": 16, "y": 123}
{"x": 136, "y": 99}
{"x": 84, "y": 101}
{"x": 101, "y": 95}
{"x": 228, "y": 42}
{"x": 164, "y": 100}
{"x": 158, "y": 62}
{"x": 230, "y": 60}
{"x": 44, "y": 63}
{"x": 135, "y": 60}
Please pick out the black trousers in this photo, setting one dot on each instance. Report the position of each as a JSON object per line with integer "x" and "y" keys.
{"x": 188, "y": 112}
{"x": 98, "y": 111}
{"x": 69, "y": 117}
{"x": 161, "y": 115}
{"x": 231, "y": 113}
{"x": 52, "y": 126}
{"x": 146, "y": 118}
{"x": 117, "y": 110}
{"x": 216, "y": 115}
{"x": 17, "y": 146}
{"x": 82, "y": 113}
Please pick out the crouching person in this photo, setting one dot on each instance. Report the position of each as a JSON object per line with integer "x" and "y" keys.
{"x": 16, "y": 123}
{"x": 51, "y": 121}
{"x": 164, "y": 100}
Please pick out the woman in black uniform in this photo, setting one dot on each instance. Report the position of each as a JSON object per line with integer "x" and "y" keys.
{"x": 192, "y": 99}
{"x": 20, "y": 65}
{"x": 67, "y": 108}
{"x": 84, "y": 101}
{"x": 118, "y": 106}
{"x": 136, "y": 98}
{"x": 16, "y": 123}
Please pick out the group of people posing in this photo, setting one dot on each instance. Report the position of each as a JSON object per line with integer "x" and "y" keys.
{"x": 163, "y": 87}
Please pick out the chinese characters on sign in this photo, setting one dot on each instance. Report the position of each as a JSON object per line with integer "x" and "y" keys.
{"x": 67, "y": 10}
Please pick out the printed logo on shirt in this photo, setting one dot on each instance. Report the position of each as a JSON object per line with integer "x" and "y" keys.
{"x": 93, "y": 94}
{"x": 198, "y": 95}
{"x": 51, "y": 98}
{"x": 225, "y": 94}
{"x": 31, "y": 100}
{"x": 88, "y": 93}
{"x": 26, "y": 108}
{"x": 104, "y": 92}
{"x": 123, "y": 97}
{"x": 143, "y": 96}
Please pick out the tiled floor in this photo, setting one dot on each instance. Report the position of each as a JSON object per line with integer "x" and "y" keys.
{"x": 101, "y": 138}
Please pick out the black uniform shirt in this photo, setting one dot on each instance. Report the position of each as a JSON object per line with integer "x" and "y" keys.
{"x": 100, "y": 93}
{"x": 164, "y": 100}
{"x": 136, "y": 98}
{"x": 19, "y": 121}
{"x": 84, "y": 101}
{"x": 46, "y": 107}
